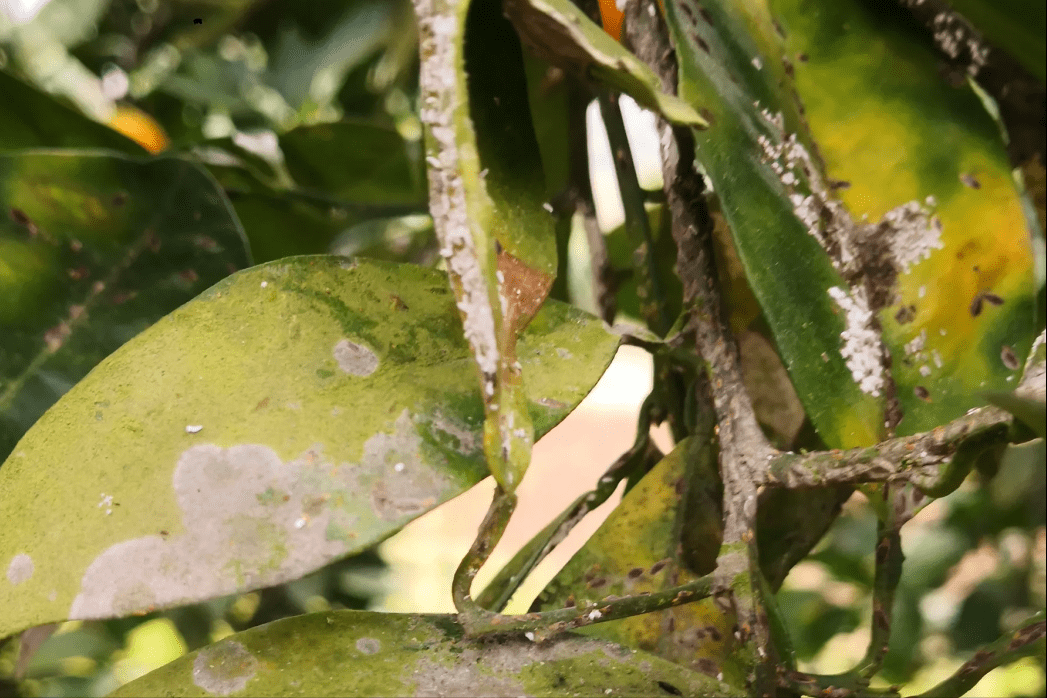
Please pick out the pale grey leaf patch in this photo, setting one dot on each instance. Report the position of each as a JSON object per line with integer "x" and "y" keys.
{"x": 355, "y": 359}
{"x": 21, "y": 569}
{"x": 224, "y": 668}
{"x": 251, "y": 520}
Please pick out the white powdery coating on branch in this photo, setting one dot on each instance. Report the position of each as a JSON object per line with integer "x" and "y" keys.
{"x": 861, "y": 342}
{"x": 438, "y": 29}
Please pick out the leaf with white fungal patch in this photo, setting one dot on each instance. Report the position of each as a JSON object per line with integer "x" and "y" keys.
{"x": 487, "y": 198}
{"x": 291, "y": 415}
{"x": 855, "y": 257}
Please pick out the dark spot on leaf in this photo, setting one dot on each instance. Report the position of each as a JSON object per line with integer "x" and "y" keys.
{"x": 671, "y": 624}
{"x": 802, "y": 57}
{"x": 596, "y": 583}
{"x": 976, "y": 306}
{"x": 839, "y": 184}
{"x": 1009, "y": 358}
{"x": 497, "y": 247}
{"x": 701, "y": 43}
{"x": 198, "y": 21}
{"x": 905, "y": 314}
{"x": 19, "y": 217}
{"x": 922, "y": 393}
{"x": 707, "y": 115}
{"x": 119, "y": 199}
{"x": 634, "y": 572}
{"x": 789, "y": 70}
{"x": 778, "y": 27}
{"x": 706, "y": 666}
{"x": 669, "y": 688}
{"x": 712, "y": 632}
{"x": 992, "y": 298}
{"x": 705, "y": 15}
{"x": 659, "y": 566}
{"x": 969, "y": 181}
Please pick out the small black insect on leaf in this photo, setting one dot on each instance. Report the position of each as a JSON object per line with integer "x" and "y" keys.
{"x": 198, "y": 21}
{"x": 669, "y": 688}
{"x": 976, "y": 306}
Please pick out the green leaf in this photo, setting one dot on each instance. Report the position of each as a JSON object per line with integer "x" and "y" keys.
{"x": 1032, "y": 412}
{"x": 562, "y": 34}
{"x": 297, "y": 412}
{"x": 286, "y": 222}
{"x": 94, "y": 249}
{"x": 638, "y": 549}
{"x": 1018, "y": 27}
{"x": 357, "y": 653}
{"x": 960, "y": 320}
{"x": 358, "y": 161}
{"x": 497, "y": 262}
{"x": 828, "y": 280}
{"x": 31, "y": 119}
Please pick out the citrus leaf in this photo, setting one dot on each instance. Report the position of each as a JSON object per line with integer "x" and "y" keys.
{"x": 358, "y": 653}
{"x": 94, "y": 249}
{"x": 957, "y": 317}
{"x": 835, "y": 288}
{"x": 638, "y": 549}
{"x": 1032, "y": 412}
{"x": 559, "y": 32}
{"x": 357, "y": 161}
{"x": 297, "y": 412}
{"x": 30, "y": 118}
{"x": 482, "y": 229}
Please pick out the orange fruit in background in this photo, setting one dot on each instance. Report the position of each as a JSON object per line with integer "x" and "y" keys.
{"x": 140, "y": 127}
{"x": 612, "y": 18}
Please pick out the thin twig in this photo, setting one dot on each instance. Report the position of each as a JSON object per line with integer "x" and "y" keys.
{"x": 913, "y": 458}
{"x": 1027, "y": 641}
{"x": 497, "y": 594}
{"x": 540, "y": 627}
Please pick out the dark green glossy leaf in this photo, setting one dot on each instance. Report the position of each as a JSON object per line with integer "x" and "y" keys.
{"x": 94, "y": 249}
{"x": 355, "y": 653}
{"x": 1019, "y": 27}
{"x": 297, "y": 412}
{"x": 284, "y": 222}
{"x": 31, "y": 119}
{"x": 355, "y": 161}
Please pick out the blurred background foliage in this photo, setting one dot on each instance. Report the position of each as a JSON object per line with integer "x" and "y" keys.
{"x": 305, "y": 114}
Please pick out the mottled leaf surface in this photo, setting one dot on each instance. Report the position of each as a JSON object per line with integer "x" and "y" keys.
{"x": 959, "y": 318}
{"x": 836, "y": 288}
{"x": 639, "y": 549}
{"x": 296, "y": 412}
{"x": 357, "y": 653}
{"x": 94, "y": 249}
